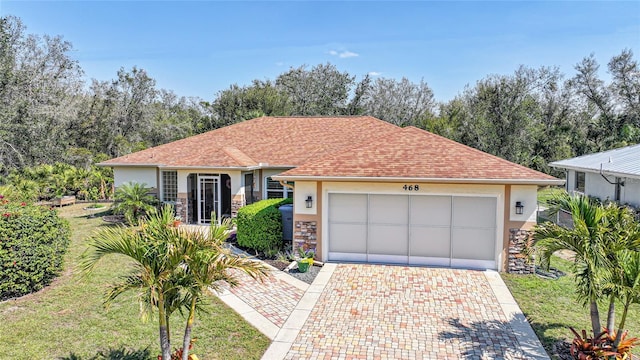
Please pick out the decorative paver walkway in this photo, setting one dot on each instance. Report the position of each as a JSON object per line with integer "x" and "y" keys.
{"x": 274, "y": 298}
{"x": 359, "y": 311}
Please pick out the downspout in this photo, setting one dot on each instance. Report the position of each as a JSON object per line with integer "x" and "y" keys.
{"x": 618, "y": 183}
{"x": 284, "y": 183}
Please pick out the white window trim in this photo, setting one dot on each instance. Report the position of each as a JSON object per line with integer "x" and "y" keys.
{"x": 162, "y": 184}
{"x": 265, "y": 193}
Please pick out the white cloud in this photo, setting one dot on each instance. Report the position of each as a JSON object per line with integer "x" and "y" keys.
{"x": 279, "y": 63}
{"x": 374, "y": 73}
{"x": 347, "y": 54}
{"x": 343, "y": 54}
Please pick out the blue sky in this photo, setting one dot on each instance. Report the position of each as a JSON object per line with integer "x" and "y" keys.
{"x": 198, "y": 48}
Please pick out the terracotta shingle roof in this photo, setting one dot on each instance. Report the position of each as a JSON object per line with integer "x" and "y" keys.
{"x": 417, "y": 154}
{"x": 278, "y": 141}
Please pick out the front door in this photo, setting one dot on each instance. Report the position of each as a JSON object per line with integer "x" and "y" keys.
{"x": 208, "y": 198}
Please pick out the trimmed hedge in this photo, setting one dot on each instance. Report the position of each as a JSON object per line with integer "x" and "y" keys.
{"x": 260, "y": 225}
{"x": 33, "y": 241}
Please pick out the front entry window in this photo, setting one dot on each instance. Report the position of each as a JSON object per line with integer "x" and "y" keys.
{"x": 169, "y": 186}
{"x": 580, "y": 181}
{"x": 275, "y": 190}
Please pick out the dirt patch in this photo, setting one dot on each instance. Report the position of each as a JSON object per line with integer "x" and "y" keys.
{"x": 280, "y": 265}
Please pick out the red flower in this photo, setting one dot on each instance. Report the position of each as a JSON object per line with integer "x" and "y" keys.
{"x": 23, "y": 204}
{"x": 6, "y": 215}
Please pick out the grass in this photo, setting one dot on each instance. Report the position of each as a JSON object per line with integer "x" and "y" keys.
{"x": 547, "y": 193}
{"x": 551, "y": 306}
{"x": 66, "y": 320}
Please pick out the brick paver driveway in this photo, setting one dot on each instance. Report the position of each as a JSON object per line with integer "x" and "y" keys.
{"x": 396, "y": 312}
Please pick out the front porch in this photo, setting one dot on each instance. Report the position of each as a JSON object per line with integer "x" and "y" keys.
{"x": 201, "y": 196}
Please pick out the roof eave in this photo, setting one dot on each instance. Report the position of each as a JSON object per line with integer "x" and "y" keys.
{"x": 163, "y": 166}
{"x": 605, "y": 172}
{"x": 541, "y": 182}
{"x": 103, "y": 164}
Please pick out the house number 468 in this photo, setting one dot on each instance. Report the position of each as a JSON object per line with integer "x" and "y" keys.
{"x": 415, "y": 187}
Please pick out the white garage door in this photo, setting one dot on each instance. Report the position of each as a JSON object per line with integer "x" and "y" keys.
{"x": 457, "y": 231}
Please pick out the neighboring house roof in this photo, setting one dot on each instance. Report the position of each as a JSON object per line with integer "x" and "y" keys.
{"x": 622, "y": 162}
{"x": 263, "y": 142}
{"x": 412, "y": 153}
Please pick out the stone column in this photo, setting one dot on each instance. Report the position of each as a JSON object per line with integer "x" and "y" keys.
{"x": 305, "y": 235}
{"x": 237, "y": 201}
{"x": 519, "y": 262}
{"x": 181, "y": 207}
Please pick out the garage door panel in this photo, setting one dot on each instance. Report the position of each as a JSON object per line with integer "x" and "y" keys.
{"x": 388, "y": 209}
{"x": 387, "y": 259}
{"x": 338, "y": 256}
{"x": 473, "y": 264}
{"x": 431, "y": 210}
{"x": 348, "y": 208}
{"x": 474, "y": 211}
{"x": 430, "y": 261}
{"x": 473, "y": 243}
{"x": 348, "y": 238}
{"x": 388, "y": 239}
{"x": 430, "y": 241}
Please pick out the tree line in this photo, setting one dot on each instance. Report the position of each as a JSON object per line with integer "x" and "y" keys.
{"x": 532, "y": 116}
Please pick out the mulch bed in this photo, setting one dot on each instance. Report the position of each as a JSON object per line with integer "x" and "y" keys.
{"x": 307, "y": 277}
{"x": 562, "y": 350}
{"x": 113, "y": 219}
{"x": 280, "y": 265}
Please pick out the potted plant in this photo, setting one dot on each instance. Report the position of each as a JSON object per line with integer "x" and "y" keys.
{"x": 176, "y": 221}
{"x": 305, "y": 259}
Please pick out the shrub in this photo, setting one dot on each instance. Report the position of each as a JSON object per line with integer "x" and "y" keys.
{"x": 33, "y": 241}
{"x": 602, "y": 347}
{"x": 260, "y": 225}
{"x": 134, "y": 201}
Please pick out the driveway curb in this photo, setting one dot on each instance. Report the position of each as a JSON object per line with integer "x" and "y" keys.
{"x": 529, "y": 342}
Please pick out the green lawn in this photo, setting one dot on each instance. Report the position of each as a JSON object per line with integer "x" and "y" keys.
{"x": 67, "y": 320}
{"x": 551, "y": 306}
{"x": 546, "y": 193}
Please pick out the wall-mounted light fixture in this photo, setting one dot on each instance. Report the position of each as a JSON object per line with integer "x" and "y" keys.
{"x": 309, "y": 202}
{"x": 519, "y": 207}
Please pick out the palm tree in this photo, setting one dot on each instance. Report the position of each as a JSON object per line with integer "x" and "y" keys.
{"x": 625, "y": 286}
{"x": 173, "y": 267}
{"x": 154, "y": 264}
{"x": 623, "y": 282}
{"x": 623, "y": 235}
{"x": 133, "y": 201}
{"x": 207, "y": 263}
{"x": 587, "y": 239}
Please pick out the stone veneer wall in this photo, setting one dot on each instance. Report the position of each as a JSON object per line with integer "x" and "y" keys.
{"x": 181, "y": 207}
{"x": 237, "y": 201}
{"x": 305, "y": 235}
{"x": 519, "y": 263}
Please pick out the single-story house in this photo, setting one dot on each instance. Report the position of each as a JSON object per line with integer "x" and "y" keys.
{"x": 609, "y": 175}
{"x": 363, "y": 189}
